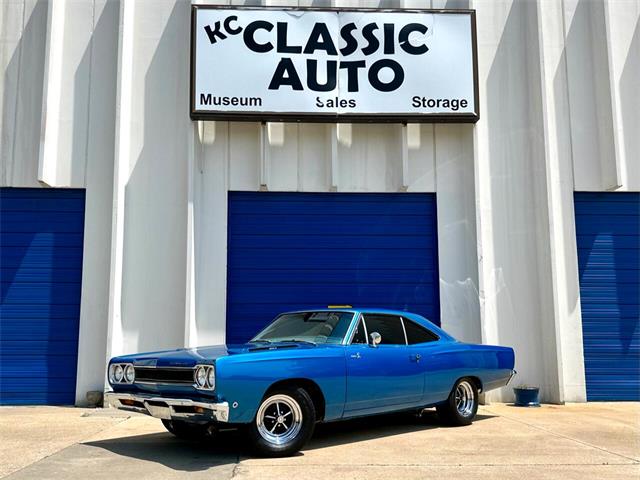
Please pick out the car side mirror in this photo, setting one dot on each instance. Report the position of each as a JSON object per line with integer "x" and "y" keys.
{"x": 376, "y": 338}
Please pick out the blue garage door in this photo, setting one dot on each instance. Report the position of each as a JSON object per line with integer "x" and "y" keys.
{"x": 307, "y": 250}
{"x": 41, "y": 232}
{"x": 608, "y": 234}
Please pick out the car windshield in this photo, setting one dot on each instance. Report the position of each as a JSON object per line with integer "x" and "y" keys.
{"x": 314, "y": 327}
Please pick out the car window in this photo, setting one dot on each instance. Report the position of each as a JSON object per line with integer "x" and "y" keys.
{"x": 417, "y": 333}
{"x": 317, "y": 327}
{"x": 359, "y": 336}
{"x": 389, "y": 327}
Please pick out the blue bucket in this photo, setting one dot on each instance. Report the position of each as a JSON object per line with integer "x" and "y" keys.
{"x": 527, "y": 396}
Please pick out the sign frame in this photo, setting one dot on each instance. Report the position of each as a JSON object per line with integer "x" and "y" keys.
{"x": 452, "y": 117}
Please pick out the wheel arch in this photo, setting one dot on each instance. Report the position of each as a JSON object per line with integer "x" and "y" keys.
{"x": 311, "y": 387}
{"x": 476, "y": 380}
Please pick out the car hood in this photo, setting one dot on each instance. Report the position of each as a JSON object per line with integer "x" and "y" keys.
{"x": 188, "y": 357}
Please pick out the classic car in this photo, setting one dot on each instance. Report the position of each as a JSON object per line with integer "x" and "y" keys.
{"x": 307, "y": 367}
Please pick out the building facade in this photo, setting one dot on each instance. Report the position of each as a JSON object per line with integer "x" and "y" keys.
{"x": 128, "y": 227}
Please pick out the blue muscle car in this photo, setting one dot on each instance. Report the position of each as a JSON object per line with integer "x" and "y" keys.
{"x": 307, "y": 367}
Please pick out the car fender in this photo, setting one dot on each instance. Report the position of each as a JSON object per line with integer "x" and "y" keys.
{"x": 243, "y": 380}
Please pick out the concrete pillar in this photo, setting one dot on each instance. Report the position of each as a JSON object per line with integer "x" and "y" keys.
{"x": 621, "y": 23}
{"x": 115, "y": 334}
{"x": 153, "y": 143}
{"x": 566, "y": 334}
{"x": 98, "y": 180}
{"x": 458, "y": 267}
{"x": 511, "y": 214}
{"x": 211, "y": 184}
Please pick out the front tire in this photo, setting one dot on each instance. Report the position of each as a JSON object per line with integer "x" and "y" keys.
{"x": 462, "y": 405}
{"x": 283, "y": 423}
{"x": 188, "y": 431}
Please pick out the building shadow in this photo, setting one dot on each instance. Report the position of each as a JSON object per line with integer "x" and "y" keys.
{"x": 155, "y": 196}
{"x": 230, "y": 446}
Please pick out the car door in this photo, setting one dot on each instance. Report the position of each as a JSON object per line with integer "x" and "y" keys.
{"x": 433, "y": 359}
{"x": 385, "y": 377}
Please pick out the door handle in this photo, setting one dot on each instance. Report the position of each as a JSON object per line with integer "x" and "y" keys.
{"x": 415, "y": 358}
{"x": 356, "y": 355}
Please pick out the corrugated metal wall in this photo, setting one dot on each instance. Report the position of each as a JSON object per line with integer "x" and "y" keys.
{"x": 296, "y": 251}
{"x": 41, "y": 241}
{"x": 608, "y": 236}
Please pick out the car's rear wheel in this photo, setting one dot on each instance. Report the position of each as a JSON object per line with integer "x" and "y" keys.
{"x": 284, "y": 422}
{"x": 188, "y": 431}
{"x": 462, "y": 405}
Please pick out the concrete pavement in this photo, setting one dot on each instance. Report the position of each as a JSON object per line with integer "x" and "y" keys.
{"x": 576, "y": 441}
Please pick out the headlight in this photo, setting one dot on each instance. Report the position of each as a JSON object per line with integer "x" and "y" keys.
{"x": 118, "y": 373}
{"x": 205, "y": 377}
{"x": 201, "y": 376}
{"x": 211, "y": 378}
{"x": 121, "y": 373}
{"x": 129, "y": 374}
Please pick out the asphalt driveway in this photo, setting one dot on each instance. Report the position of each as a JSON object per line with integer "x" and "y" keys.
{"x": 578, "y": 441}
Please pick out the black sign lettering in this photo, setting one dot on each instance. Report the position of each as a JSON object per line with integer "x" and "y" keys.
{"x": 320, "y": 39}
{"x": 403, "y": 38}
{"x": 312, "y": 76}
{"x": 389, "y": 39}
{"x": 374, "y": 75}
{"x": 227, "y": 25}
{"x": 346, "y": 32}
{"x": 215, "y": 32}
{"x": 249, "y": 39}
{"x": 373, "y": 43}
{"x": 282, "y": 40}
{"x": 285, "y": 75}
{"x": 352, "y": 73}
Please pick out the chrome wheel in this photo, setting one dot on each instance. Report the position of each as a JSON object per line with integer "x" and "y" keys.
{"x": 465, "y": 398}
{"x": 279, "y": 419}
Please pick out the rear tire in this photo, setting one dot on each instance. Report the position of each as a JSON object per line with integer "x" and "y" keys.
{"x": 188, "y": 431}
{"x": 283, "y": 423}
{"x": 462, "y": 405}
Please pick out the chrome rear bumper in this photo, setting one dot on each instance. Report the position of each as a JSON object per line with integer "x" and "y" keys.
{"x": 169, "y": 408}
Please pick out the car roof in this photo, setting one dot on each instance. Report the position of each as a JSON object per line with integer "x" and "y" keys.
{"x": 419, "y": 319}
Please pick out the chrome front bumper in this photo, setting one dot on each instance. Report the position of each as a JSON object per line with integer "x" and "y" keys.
{"x": 169, "y": 408}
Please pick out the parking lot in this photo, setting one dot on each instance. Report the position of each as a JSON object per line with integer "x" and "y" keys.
{"x": 577, "y": 441}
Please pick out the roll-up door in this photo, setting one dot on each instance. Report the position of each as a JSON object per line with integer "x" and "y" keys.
{"x": 41, "y": 237}
{"x": 608, "y": 240}
{"x": 290, "y": 251}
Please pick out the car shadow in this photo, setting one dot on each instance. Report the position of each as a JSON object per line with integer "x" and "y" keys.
{"x": 372, "y": 427}
{"x": 229, "y": 446}
{"x": 175, "y": 453}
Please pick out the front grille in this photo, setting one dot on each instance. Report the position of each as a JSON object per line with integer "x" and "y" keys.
{"x": 164, "y": 375}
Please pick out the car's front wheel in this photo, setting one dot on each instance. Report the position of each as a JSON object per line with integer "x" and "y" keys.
{"x": 284, "y": 422}
{"x": 462, "y": 405}
{"x": 188, "y": 431}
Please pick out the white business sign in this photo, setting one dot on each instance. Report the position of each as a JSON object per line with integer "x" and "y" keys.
{"x": 333, "y": 65}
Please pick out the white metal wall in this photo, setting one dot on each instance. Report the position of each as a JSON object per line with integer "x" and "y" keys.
{"x": 95, "y": 94}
